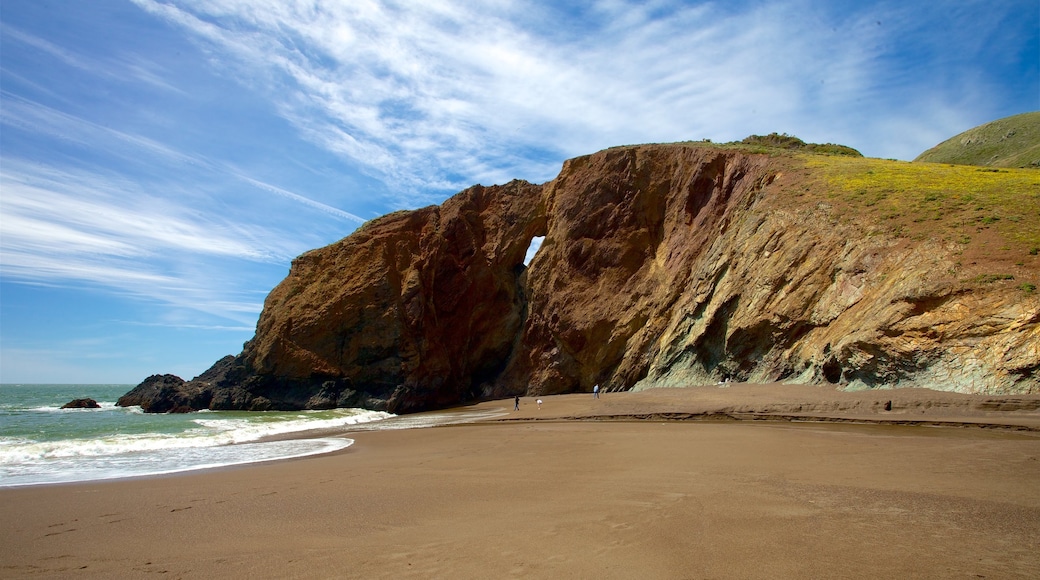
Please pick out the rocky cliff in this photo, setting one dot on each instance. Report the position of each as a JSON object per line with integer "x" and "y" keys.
{"x": 676, "y": 264}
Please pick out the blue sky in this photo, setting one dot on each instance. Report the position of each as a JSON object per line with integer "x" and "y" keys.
{"x": 162, "y": 161}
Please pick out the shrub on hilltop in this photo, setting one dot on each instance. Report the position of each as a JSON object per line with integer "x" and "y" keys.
{"x": 785, "y": 141}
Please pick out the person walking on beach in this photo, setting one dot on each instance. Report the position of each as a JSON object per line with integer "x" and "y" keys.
{"x": 539, "y": 403}
{"x": 516, "y": 403}
{"x": 595, "y": 392}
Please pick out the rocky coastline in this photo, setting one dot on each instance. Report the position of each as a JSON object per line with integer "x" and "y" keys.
{"x": 662, "y": 265}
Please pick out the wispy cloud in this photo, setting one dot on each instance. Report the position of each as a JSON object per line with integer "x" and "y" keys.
{"x": 47, "y": 211}
{"x": 70, "y": 226}
{"x": 30, "y": 116}
{"x": 190, "y": 326}
{"x": 40, "y": 119}
{"x": 116, "y": 68}
{"x": 327, "y": 209}
{"x": 133, "y": 230}
{"x": 114, "y": 209}
{"x": 439, "y": 94}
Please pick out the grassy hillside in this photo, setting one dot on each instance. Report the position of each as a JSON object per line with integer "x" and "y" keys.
{"x": 991, "y": 215}
{"x": 1008, "y": 142}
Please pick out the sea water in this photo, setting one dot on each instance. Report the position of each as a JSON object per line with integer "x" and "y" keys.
{"x": 41, "y": 443}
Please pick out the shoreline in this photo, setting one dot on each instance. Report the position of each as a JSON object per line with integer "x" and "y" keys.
{"x": 791, "y": 403}
{"x": 570, "y": 490}
{"x": 784, "y": 418}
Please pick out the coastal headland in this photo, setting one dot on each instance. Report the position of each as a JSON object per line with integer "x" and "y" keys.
{"x": 722, "y": 481}
{"x": 659, "y": 265}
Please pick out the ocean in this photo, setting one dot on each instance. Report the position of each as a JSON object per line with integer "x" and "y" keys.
{"x": 40, "y": 443}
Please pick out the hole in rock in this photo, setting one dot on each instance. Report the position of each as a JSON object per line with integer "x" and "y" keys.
{"x": 536, "y": 243}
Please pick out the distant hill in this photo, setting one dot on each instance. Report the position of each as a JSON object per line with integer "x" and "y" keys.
{"x": 1009, "y": 142}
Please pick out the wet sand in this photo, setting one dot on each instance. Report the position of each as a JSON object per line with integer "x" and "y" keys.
{"x": 740, "y": 482}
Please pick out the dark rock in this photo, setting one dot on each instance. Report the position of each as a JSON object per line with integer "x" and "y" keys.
{"x": 81, "y": 404}
{"x": 166, "y": 394}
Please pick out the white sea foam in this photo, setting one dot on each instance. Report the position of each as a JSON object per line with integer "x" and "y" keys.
{"x": 42, "y": 443}
{"x": 168, "y": 443}
{"x": 102, "y": 406}
{"x": 167, "y": 461}
{"x": 214, "y": 432}
{"x": 433, "y": 419}
{"x": 242, "y": 430}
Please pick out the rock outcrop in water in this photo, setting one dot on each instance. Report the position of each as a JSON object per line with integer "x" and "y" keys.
{"x": 81, "y": 404}
{"x": 661, "y": 265}
{"x": 167, "y": 394}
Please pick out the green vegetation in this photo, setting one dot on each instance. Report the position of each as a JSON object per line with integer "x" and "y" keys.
{"x": 779, "y": 143}
{"x": 953, "y": 201}
{"x": 790, "y": 142}
{"x": 993, "y": 210}
{"x": 991, "y": 278}
{"x": 987, "y": 215}
{"x": 1008, "y": 142}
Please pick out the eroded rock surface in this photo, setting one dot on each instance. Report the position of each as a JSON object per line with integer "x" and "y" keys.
{"x": 661, "y": 265}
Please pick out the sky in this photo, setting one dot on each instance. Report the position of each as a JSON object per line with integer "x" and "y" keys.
{"x": 163, "y": 161}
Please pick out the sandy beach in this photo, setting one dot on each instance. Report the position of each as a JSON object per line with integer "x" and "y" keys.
{"x": 747, "y": 481}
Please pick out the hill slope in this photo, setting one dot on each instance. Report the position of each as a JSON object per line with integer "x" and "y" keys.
{"x": 1009, "y": 142}
{"x": 675, "y": 264}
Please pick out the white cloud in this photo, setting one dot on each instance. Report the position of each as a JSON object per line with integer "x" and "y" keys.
{"x": 64, "y": 227}
{"x": 39, "y": 119}
{"x": 122, "y": 211}
{"x": 437, "y": 95}
{"x": 115, "y": 68}
{"x": 46, "y": 211}
{"x": 43, "y": 121}
{"x": 32, "y": 117}
{"x": 324, "y": 208}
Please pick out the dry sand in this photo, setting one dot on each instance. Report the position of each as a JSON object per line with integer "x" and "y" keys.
{"x": 545, "y": 494}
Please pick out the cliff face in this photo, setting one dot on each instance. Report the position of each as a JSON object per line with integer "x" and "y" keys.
{"x": 627, "y": 228}
{"x": 661, "y": 265}
{"x": 416, "y": 309}
{"x": 682, "y": 266}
